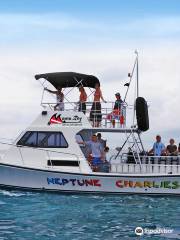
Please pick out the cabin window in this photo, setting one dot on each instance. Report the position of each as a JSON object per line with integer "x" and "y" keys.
{"x": 29, "y": 139}
{"x": 51, "y": 140}
{"x": 43, "y": 140}
{"x": 63, "y": 163}
{"x": 41, "y": 137}
{"x": 32, "y": 139}
{"x": 24, "y": 138}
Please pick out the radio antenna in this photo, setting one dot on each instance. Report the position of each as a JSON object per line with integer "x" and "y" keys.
{"x": 130, "y": 75}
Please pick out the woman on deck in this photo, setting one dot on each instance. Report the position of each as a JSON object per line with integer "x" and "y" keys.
{"x": 95, "y": 114}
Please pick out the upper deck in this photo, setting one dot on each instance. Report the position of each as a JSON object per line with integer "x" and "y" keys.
{"x": 88, "y": 113}
{"x": 107, "y": 117}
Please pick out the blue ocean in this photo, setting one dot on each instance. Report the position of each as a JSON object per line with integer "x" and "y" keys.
{"x": 29, "y": 215}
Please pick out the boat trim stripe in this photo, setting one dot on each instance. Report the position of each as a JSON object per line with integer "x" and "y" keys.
{"x": 10, "y": 187}
{"x": 88, "y": 174}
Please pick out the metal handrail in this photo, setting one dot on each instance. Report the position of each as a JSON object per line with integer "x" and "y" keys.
{"x": 107, "y": 113}
{"x": 147, "y": 168}
{"x": 166, "y": 156}
{"x": 121, "y": 157}
{"x": 173, "y": 158}
{"x": 90, "y": 103}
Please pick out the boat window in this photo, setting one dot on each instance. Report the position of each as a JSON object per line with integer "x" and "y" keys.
{"x": 43, "y": 140}
{"x": 63, "y": 163}
{"x": 24, "y": 138}
{"x": 32, "y": 140}
{"x": 61, "y": 141}
{"x": 52, "y": 140}
{"x": 29, "y": 139}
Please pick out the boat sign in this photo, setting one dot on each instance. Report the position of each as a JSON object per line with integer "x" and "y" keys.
{"x": 65, "y": 120}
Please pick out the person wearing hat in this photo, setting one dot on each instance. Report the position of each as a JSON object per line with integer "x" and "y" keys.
{"x": 118, "y": 102}
{"x": 117, "y": 113}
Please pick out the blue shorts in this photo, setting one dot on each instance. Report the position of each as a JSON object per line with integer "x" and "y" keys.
{"x": 96, "y": 161}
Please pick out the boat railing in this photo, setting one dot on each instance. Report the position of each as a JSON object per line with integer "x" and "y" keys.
{"x": 146, "y": 159}
{"x": 50, "y": 155}
{"x": 149, "y": 164}
{"x": 109, "y": 117}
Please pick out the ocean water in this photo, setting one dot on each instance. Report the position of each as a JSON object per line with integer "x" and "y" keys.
{"x": 27, "y": 215}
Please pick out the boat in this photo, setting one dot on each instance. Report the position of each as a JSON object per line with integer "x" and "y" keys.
{"x": 47, "y": 156}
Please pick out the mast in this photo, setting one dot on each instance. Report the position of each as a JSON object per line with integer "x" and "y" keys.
{"x": 137, "y": 72}
{"x": 130, "y": 75}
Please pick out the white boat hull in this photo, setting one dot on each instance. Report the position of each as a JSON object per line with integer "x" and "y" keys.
{"x": 46, "y": 180}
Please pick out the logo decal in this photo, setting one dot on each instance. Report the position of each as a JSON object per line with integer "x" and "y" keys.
{"x": 55, "y": 119}
{"x": 58, "y": 119}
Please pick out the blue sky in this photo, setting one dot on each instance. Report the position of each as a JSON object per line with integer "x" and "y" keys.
{"x": 27, "y": 21}
{"x": 93, "y": 8}
{"x": 91, "y": 36}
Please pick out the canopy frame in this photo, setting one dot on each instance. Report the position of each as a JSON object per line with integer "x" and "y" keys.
{"x": 69, "y": 79}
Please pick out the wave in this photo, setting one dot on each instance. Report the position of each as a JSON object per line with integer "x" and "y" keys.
{"x": 15, "y": 194}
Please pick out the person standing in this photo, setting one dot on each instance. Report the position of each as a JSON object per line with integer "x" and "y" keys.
{"x": 96, "y": 150}
{"x": 158, "y": 147}
{"x": 117, "y": 111}
{"x": 82, "y": 100}
{"x": 105, "y": 167}
{"x": 172, "y": 149}
{"x": 118, "y": 103}
{"x": 60, "y": 98}
{"x": 101, "y": 141}
{"x": 95, "y": 114}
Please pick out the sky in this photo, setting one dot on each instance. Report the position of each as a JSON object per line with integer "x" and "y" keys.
{"x": 93, "y": 37}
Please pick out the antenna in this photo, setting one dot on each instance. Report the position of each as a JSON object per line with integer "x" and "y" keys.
{"x": 137, "y": 72}
{"x": 130, "y": 75}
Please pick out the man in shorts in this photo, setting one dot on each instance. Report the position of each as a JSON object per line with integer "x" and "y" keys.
{"x": 96, "y": 151}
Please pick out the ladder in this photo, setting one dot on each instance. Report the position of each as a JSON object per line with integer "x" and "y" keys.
{"x": 135, "y": 146}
